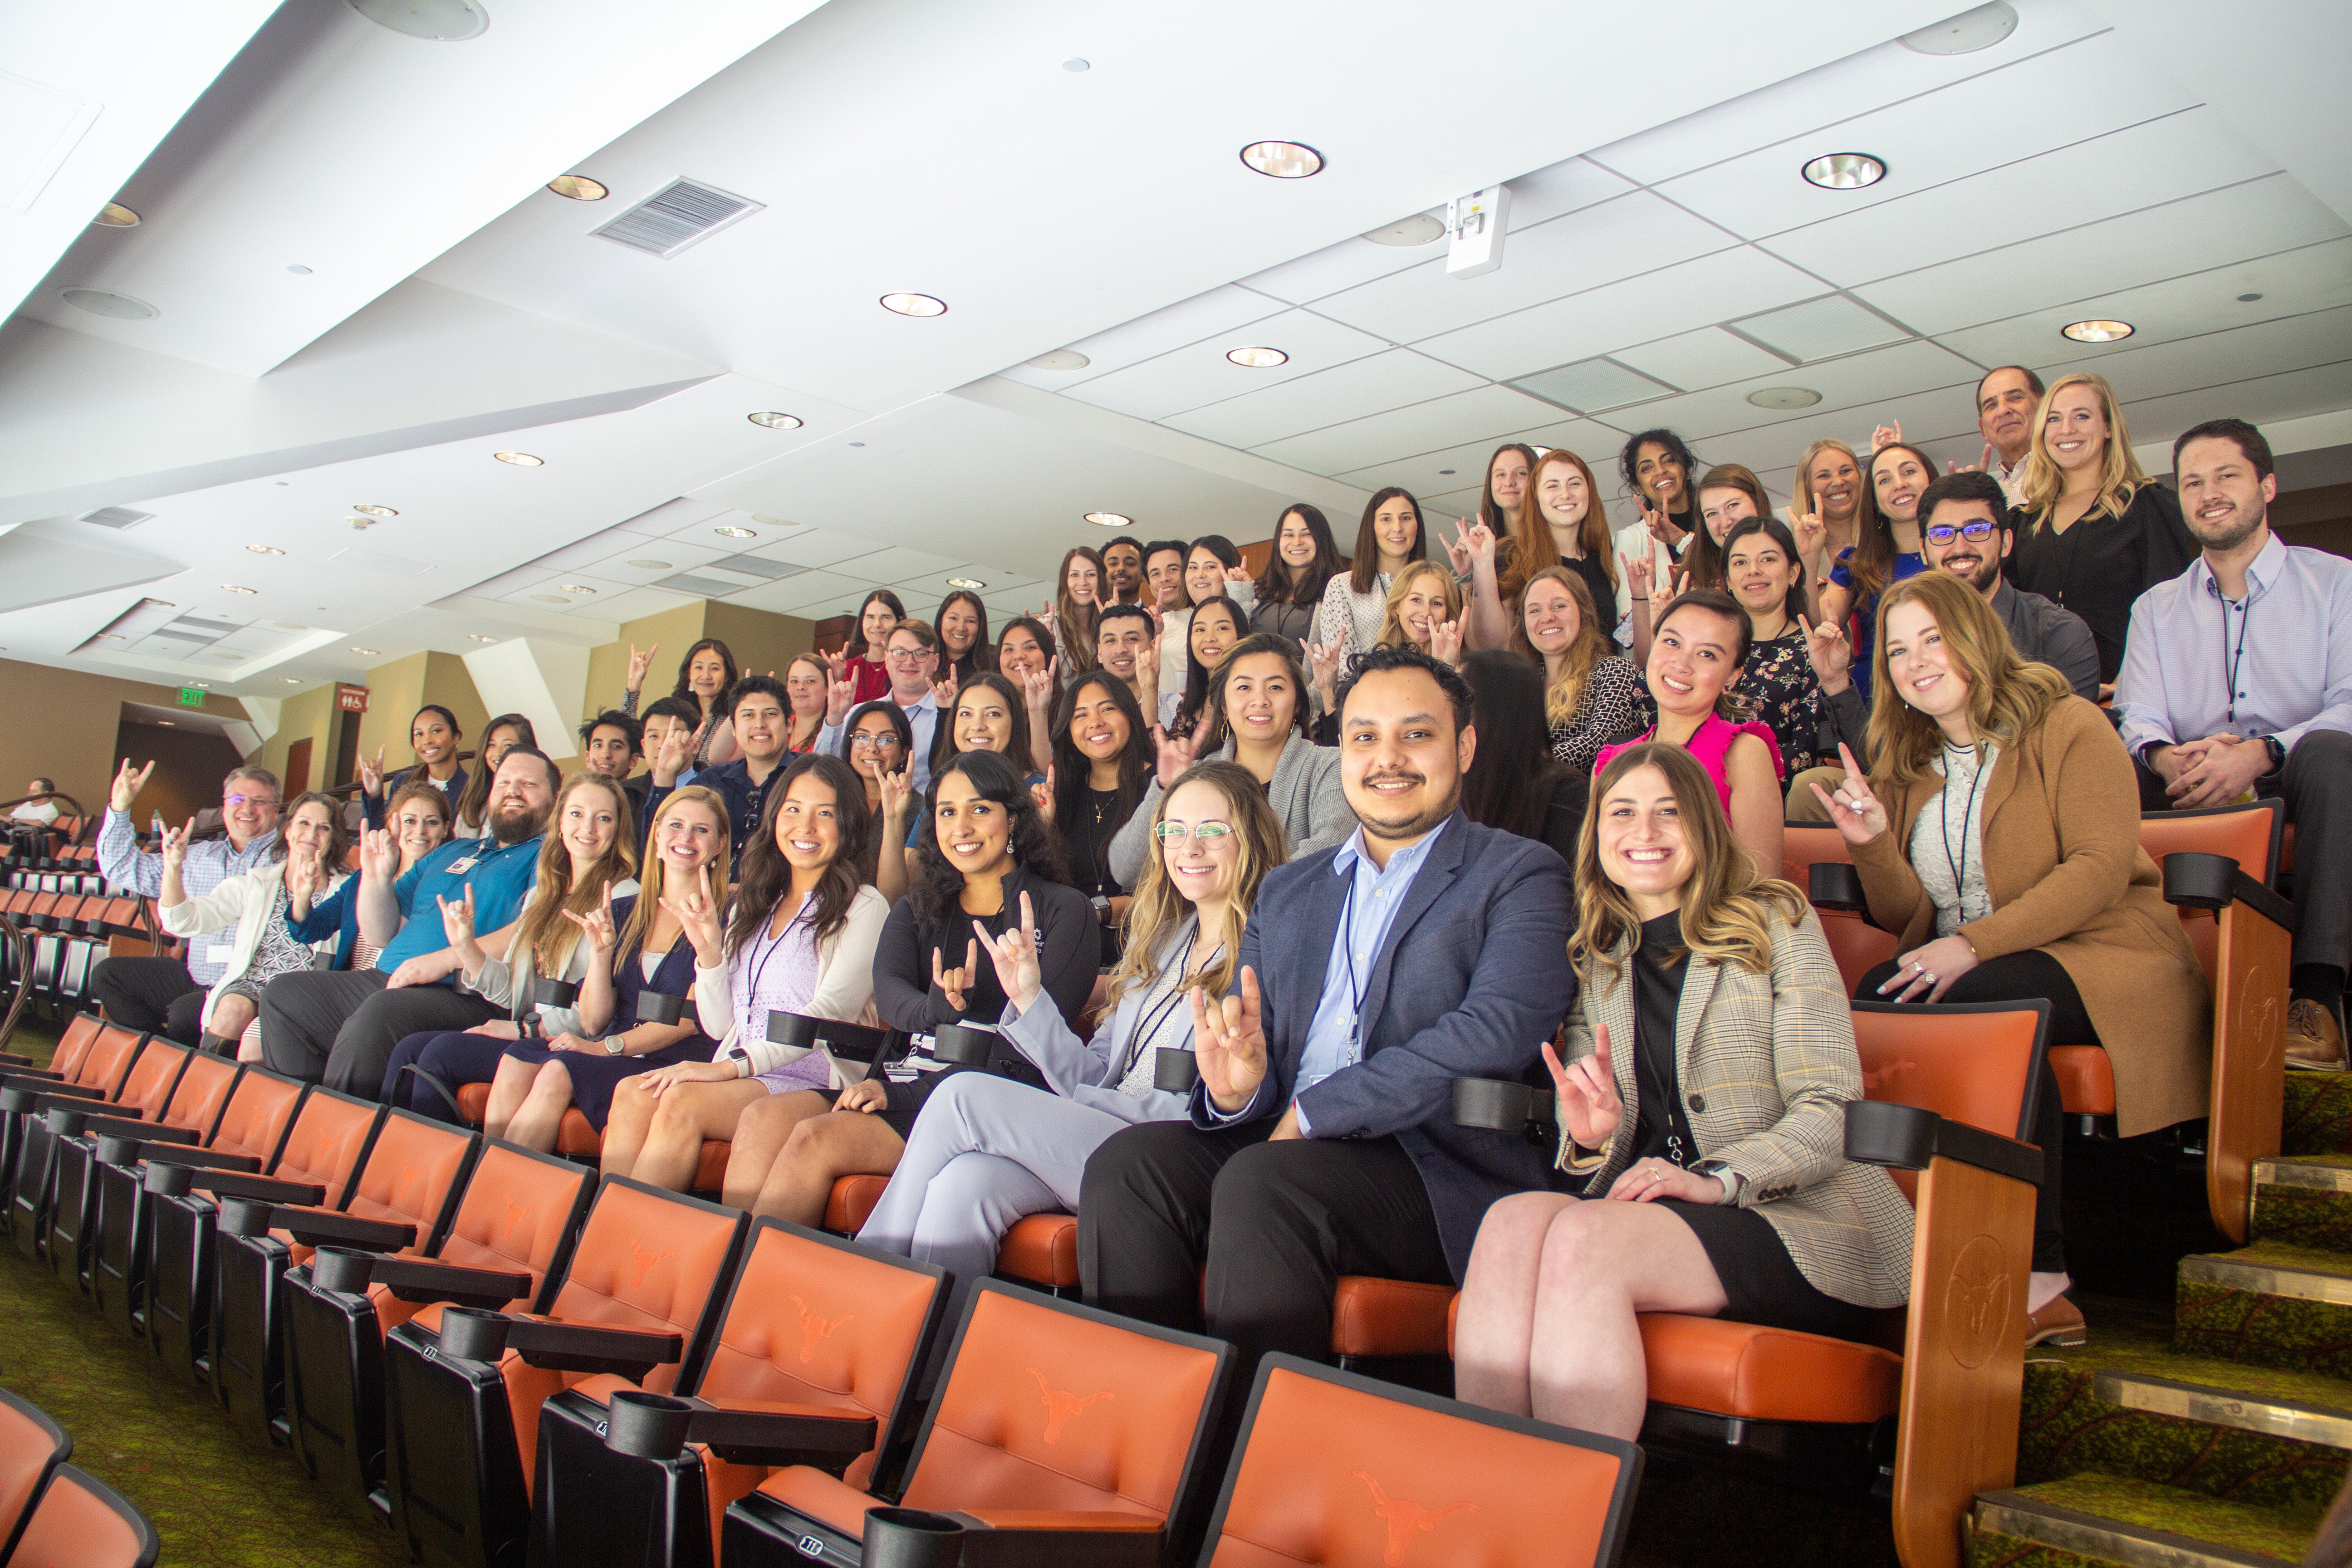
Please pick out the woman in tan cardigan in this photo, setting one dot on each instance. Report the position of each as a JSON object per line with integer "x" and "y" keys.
{"x": 1999, "y": 836}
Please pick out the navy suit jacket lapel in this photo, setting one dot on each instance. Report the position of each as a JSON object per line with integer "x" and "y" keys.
{"x": 1436, "y": 875}
{"x": 1319, "y": 917}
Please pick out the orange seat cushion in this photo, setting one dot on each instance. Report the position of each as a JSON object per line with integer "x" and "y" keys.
{"x": 1389, "y": 1317}
{"x": 852, "y": 1200}
{"x": 815, "y": 1495}
{"x": 1042, "y": 1248}
{"x": 575, "y": 1136}
{"x": 710, "y": 1169}
{"x": 2086, "y": 1079}
{"x": 1766, "y": 1375}
{"x": 473, "y": 1100}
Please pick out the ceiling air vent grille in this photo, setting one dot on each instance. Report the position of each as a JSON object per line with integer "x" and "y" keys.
{"x": 117, "y": 516}
{"x": 679, "y": 214}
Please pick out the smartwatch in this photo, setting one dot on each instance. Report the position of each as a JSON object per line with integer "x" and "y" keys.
{"x": 2277, "y": 750}
{"x": 1102, "y": 909}
{"x": 742, "y": 1060}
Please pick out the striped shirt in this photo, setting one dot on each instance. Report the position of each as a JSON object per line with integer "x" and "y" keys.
{"x": 210, "y": 862}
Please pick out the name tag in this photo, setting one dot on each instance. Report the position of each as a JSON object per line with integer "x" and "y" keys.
{"x": 459, "y": 868}
{"x": 219, "y": 951}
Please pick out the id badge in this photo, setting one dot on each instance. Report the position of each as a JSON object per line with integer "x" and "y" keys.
{"x": 459, "y": 868}
{"x": 220, "y": 952}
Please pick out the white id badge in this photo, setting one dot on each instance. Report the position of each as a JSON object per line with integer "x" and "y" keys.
{"x": 220, "y": 952}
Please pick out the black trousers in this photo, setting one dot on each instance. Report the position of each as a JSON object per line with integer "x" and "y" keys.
{"x": 340, "y": 1027}
{"x": 1276, "y": 1225}
{"x": 2027, "y": 976}
{"x": 152, "y": 995}
{"x": 2316, "y": 785}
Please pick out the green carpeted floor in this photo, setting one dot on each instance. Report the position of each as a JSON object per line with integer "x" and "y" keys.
{"x": 215, "y": 1500}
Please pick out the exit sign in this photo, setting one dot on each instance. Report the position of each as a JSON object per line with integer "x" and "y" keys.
{"x": 190, "y": 696}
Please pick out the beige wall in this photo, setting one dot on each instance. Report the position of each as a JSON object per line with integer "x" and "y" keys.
{"x": 64, "y": 724}
{"x": 396, "y": 690}
{"x": 608, "y": 666}
{"x": 759, "y": 640}
{"x": 307, "y": 715}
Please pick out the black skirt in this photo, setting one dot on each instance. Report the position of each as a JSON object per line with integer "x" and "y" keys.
{"x": 1761, "y": 1282}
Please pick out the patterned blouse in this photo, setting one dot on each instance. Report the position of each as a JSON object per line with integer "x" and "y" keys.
{"x": 1779, "y": 682}
{"x": 1606, "y": 710}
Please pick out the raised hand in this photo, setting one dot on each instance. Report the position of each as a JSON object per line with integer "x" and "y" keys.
{"x": 1015, "y": 957}
{"x": 1832, "y": 653}
{"x": 698, "y": 915}
{"x": 175, "y": 843}
{"x": 457, "y": 917}
{"x": 943, "y": 690}
{"x": 1479, "y": 539}
{"x": 840, "y": 697}
{"x": 953, "y": 983}
{"x": 837, "y": 665}
{"x": 1859, "y": 814}
{"x": 1229, "y": 1044}
{"x": 638, "y": 664}
{"x": 127, "y": 783}
{"x": 676, "y": 749}
{"x": 1325, "y": 663}
{"x": 304, "y": 878}
{"x": 1175, "y": 753}
{"x": 1638, "y": 571}
{"x": 1811, "y": 532}
{"x": 1042, "y": 792}
{"x": 597, "y": 928}
{"x": 371, "y": 775}
{"x": 1666, "y": 592}
{"x": 1586, "y": 1089}
{"x": 379, "y": 855}
{"x": 1037, "y": 685}
{"x": 1985, "y": 466}
{"x": 1886, "y": 434}
{"x": 1457, "y": 549}
{"x": 1662, "y": 526}
{"x": 1237, "y": 573}
{"x": 1445, "y": 641}
{"x": 897, "y": 795}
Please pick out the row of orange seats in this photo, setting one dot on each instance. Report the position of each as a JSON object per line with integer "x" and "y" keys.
{"x": 57, "y": 1515}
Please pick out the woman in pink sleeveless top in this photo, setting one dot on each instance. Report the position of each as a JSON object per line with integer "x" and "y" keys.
{"x": 1695, "y": 653}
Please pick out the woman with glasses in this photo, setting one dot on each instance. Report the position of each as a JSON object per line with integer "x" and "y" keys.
{"x": 876, "y": 741}
{"x": 987, "y": 1150}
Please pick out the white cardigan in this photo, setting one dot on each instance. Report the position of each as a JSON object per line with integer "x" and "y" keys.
{"x": 242, "y": 901}
{"x": 845, "y": 981}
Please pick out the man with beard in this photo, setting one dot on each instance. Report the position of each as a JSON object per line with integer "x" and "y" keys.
{"x": 340, "y": 1028}
{"x": 1321, "y": 1143}
{"x": 2270, "y": 717}
{"x": 1122, "y": 560}
{"x": 1964, "y": 530}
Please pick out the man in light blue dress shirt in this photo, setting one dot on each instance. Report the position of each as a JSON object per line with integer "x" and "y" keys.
{"x": 913, "y": 656}
{"x": 2237, "y": 681}
{"x": 1322, "y": 1142}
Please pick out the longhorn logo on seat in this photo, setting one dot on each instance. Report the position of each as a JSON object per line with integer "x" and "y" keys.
{"x": 1061, "y": 1405}
{"x": 645, "y": 1262}
{"x": 815, "y": 1328}
{"x": 1976, "y": 1302}
{"x": 518, "y": 1212}
{"x": 1887, "y": 1076}
{"x": 1406, "y": 1517}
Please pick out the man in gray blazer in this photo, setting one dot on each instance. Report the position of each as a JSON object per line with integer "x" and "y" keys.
{"x": 1322, "y": 1142}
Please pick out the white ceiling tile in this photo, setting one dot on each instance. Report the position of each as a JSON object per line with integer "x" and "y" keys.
{"x": 1342, "y": 266}
{"x": 1186, "y": 321}
{"x": 2291, "y": 395}
{"x": 1466, "y": 416}
{"x": 2210, "y": 230}
{"x": 791, "y": 595}
{"x": 1939, "y": 421}
{"x": 1423, "y": 474}
{"x": 1200, "y": 372}
{"x": 1672, "y": 298}
{"x": 2159, "y": 161}
{"x": 1886, "y": 74}
{"x": 1567, "y": 187}
{"x": 2220, "y": 359}
{"x": 1633, "y": 234}
{"x": 638, "y": 603}
{"x": 2290, "y": 284}
{"x": 1328, "y": 398}
{"x": 674, "y": 555}
{"x": 1821, "y": 329}
{"x": 1707, "y": 357}
{"x": 893, "y": 565}
{"x": 1003, "y": 587}
{"x": 672, "y": 517}
{"x": 1594, "y": 385}
{"x": 2083, "y": 91}
{"x": 811, "y": 547}
{"x": 1858, "y": 381}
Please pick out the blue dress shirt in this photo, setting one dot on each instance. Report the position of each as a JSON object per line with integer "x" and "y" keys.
{"x": 923, "y": 718}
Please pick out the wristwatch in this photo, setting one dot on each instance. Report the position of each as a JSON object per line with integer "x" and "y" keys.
{"x": 2278, "y": 752}
{"x": 1730, "y": 1178}
{"x": 742, "y": 1060}
{"x": 1102, "y": 909}
{"x": 614, "y": 1045}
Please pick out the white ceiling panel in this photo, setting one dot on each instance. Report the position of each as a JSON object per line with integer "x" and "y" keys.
{"x": 2266, "y": 399}
{"x": 1927, "y": 417}
{"x": 1200, "y": 373}
{"x": 2261, "y": 216}
{"x": 1594, "y": 385}
{"x": 2291, "y": 284}
{"x": 1858, "y": 381}
{"x": 812, "y": 547}
{"x": 636, "y": 604}
{"x": 1569, "y": 185}
{"x": 894, "y": 564}
{"x": 2155, "y": 161}
{"x": 1425, "y": 474}
{"x": 1707, "y": 357}
{"x": 1005, "y": 591}
{"x": 1424, "y": 427}
{"x": 1631, "y": 234}
{"x": 1328, "y": 397}
{"x": 1146, "y": 337}
{"x": 2083, "y": 91}
{"x": 790, "y": 595}
{"x": 622, "y": 566}
{"x": 2220, "y": 359}
{"x": 1672, "y": 298}
{"x": 1821, "y": 329}
{"x": 1826, "y": 95}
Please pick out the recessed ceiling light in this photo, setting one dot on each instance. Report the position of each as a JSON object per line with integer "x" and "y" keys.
{"x": 1060, "y": 359}
{"x": 519, "y": 459}
{"x": 2095, "y": 332}
{"x": 575, "y": 587}
{"x": 857, "y": 443}
{"x": 1075, "y": 65}
{"x": 1445, "y": 470}
{"x": 291, "y": 680}
{"x": 775, "y": 421}
{"x": 1258, "y": 358}
{"x": 729, "y": 531}
{"x": 233, "y": 588}
{"x": 299, "y": 270}
{"x": 579, "y": 187}
{"x": 1784, "y": 398}
{"x": 1283, "y": 159}
{"x": 1844, "y": 170}
{"x": 99, "y": 302}
{"x": 375, "y": 511}
{"x": 265, "y": 550}
{"x": 368, "y": 652}
{"x": 1965, "y": 34}
{"x": 442, "y": 21}
{"x": 201, "y": 685}
{"x": 551, "y": 598}
{"x": 650, "y": 566}
{"x": 1419, "y": 229}
{"x": 1109, "y": 519}
{"x": 914, "y": 304}
{"x": 477, "y": 637}
{"x": 114, "y": 214}
{"x": 974, "y": 584}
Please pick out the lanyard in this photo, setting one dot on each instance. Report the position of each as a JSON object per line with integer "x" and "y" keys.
{"x": 1959, "y": 866}
{"x": 1147, "y": 1020}
{"x": 2232, "y": 662}
{"x": 764, "y": 948}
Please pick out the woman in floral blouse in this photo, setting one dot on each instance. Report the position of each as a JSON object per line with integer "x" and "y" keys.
{"x": 1795, "y": 676}
{"x": 1589, "y": 692}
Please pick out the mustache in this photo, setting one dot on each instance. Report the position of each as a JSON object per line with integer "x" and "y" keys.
{"x": 1395, "y": 776}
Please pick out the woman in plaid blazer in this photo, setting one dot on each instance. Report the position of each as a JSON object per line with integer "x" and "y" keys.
{"x": 1702, "y": 1114}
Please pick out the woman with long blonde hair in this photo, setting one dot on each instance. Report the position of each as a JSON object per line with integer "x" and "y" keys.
{"x": 1076, "y": 606}
{"x": 1423, "y": 610}
{"x": 1215, "y": 839}
{"x": 2097, "y": 532}
{"x": 1592, "y": 692}
{"x": 1998, "y": 835}
{"x": 1701, "y": 1098}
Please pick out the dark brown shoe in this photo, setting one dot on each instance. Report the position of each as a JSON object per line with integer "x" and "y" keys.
{"x": 2060, "y": 1322}
{"x": 2314, "y": 1040}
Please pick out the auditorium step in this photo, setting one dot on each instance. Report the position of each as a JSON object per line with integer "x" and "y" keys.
{"x": 2305, "y": 1201}
{"x": 2270, "y": 1304}
{"x": 2098, "y": 1519}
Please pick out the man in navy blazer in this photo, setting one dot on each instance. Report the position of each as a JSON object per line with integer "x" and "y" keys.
{"x": 1321, "y": 1143}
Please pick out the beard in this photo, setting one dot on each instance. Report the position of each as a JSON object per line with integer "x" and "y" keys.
{"x": 518, "y": 821}
{"x": 2232, "y": 530}
{"x": 1981, "y": 576}
{"x": 1404, "y": 823}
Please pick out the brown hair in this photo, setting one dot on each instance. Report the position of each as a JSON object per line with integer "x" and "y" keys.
{"x": 1871, "y": 565}
{"x": 2008, "y": 698}
{"x": 1530, "y": 547}
{"x": 1562, "y": 695}
{"x": 1221, "y": 728}
{"x": 1159, "y": 908}
{"x": 542, "y": 932}
{"x": 1075, "y": 623}
{"x": 1366, "y": 570}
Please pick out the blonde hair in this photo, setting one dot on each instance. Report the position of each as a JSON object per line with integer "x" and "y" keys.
{"x": 1727, "y": 908}
{"x": 1531, "y": 548}
{"x": 542, "y": 932}
{"x": 2120, "y": 475}
{"x": 1392, "y": 631}
{"x": 649, "y": 884}
{"x": 1159, "y": 909}
{"x": 1563, "y": 693}
{"x": 2008, "y": 697}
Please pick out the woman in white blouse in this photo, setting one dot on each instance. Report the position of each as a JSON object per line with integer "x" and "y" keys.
{"x": 801, "y": 939}
{"x": 1355, "y": 602}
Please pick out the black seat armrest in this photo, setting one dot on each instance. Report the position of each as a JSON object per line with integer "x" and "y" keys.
{"x": 85, "y": 1125}
{"x": 419, "y": 1280}
{"x": 1836, "y": 884}
{"x": 742, "y": 1432}
{"x": 314, "y": 1226}
{"x": 31, "y": 1096}
{"x": 473, "y": 1335}
{"x": 1906, "y": 1138}
{"x": 167, "y": 1176}
{"x": 2199, "y": 881}
{"x": 1505, "y": 1105}
{"x": 133, "y": 1145}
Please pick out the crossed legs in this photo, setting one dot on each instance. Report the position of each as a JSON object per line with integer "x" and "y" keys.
{"x": 528, "y": 1100}
{"x": 809, "y": 1146}
{"x": 657, "y": 1138}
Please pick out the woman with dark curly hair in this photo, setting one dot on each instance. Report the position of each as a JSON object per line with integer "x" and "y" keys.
{"x": 1102, "y": 759}
{"x": 1661, "y": 473}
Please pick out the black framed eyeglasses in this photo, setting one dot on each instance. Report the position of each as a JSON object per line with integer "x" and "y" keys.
{"x": 1976, "y": 531}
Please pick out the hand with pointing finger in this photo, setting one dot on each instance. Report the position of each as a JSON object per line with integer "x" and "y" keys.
{"x": 371, "y": 775}
{"x": 1858, "y": 815}
{"x": 639, "y": 663}
{"x": 953, "y": 983}
{"x": 1588, "y": 1105}
{"x": 127, "y": 783}
{"x": 1015, "y": 955}
{"x": 1229, "y": 1044}
{"x": 1886, "y": 434}
{"x": 1831, "y": 654}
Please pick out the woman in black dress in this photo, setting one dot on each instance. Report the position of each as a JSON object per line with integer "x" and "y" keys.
{"x": 1796, "y": 675}
{"x": 1103, "y": 758}
{"x": 2097, "y": 532}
